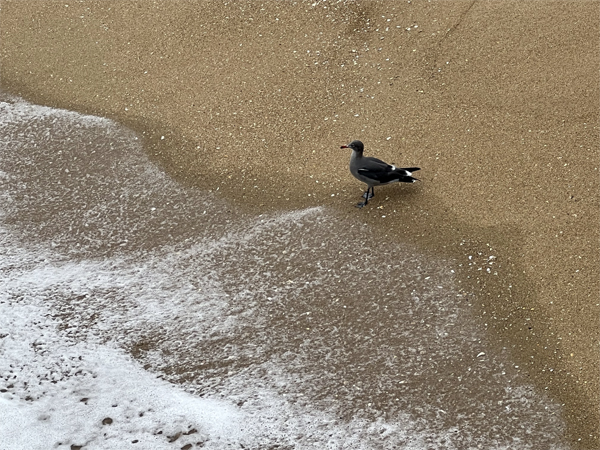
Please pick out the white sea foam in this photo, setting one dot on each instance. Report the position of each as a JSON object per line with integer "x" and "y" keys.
{"x": 185, "y": 322}
{"x": 64, "y": 393}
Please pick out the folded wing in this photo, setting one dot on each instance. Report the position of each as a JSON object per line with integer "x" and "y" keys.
{"x": 384, "y": 173}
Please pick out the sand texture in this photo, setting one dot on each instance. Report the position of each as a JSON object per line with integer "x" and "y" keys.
{"x": 497, "y": 102}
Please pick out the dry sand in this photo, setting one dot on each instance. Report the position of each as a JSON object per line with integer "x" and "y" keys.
{"x": 497, "y": 101}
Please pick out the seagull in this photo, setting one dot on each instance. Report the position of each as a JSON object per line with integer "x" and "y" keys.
{"x": 374, "y": 172}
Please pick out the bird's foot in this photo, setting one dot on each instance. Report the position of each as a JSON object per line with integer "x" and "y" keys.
{"x": 361, "y": 204}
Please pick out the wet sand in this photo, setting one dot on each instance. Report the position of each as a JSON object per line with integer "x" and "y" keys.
{"x": 496, "y": 101}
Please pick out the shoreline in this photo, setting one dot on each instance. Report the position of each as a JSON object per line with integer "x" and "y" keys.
{"x": 471, "y": 197}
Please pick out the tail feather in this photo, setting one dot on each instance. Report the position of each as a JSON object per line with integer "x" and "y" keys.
{"x": 397, "y": 177}
{"x": 406, "y": 179}
{"x": 404, "y": 175}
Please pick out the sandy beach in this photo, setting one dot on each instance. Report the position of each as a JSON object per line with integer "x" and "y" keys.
{"x": 497, "y": 102}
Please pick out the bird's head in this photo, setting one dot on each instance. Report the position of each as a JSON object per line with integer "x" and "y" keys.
{"x": 357, "y": 146}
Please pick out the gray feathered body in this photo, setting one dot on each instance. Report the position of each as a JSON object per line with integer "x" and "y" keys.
{"x": 375, "y": 172}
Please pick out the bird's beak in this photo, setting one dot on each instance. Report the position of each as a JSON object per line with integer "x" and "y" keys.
{"x": 344, "y": 146}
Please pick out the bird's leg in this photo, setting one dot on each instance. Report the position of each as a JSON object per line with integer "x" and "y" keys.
{"x": 367, "y": 195}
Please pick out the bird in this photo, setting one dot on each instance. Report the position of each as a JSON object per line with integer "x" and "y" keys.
{"x": 374, "y": 172}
